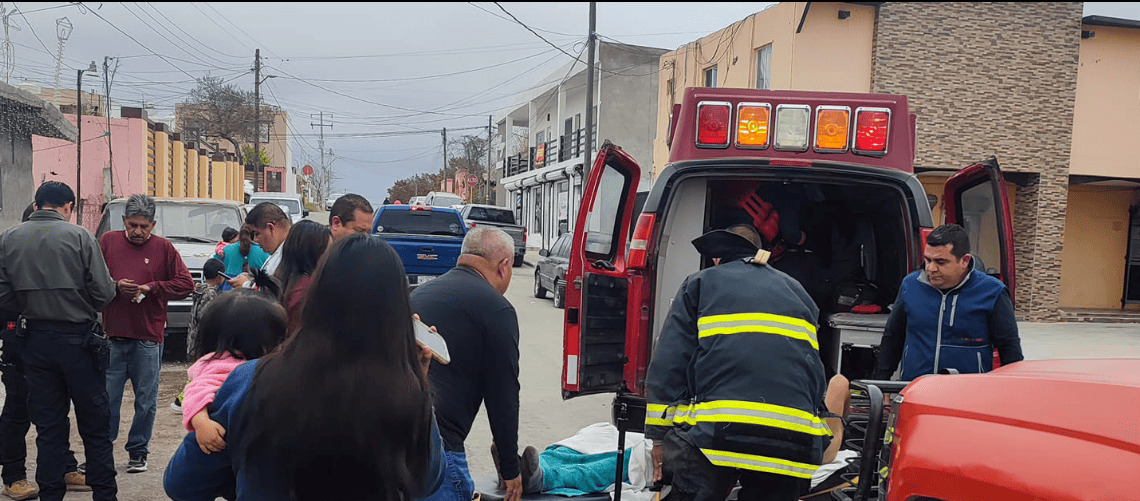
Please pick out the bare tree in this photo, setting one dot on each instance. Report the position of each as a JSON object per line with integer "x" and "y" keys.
{"x": 215, "y": 109}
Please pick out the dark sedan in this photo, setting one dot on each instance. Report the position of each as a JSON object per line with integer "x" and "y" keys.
{"x": 550, "y": 272}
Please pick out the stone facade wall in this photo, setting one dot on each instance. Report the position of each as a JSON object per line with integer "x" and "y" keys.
{"x": 993, "y": 79}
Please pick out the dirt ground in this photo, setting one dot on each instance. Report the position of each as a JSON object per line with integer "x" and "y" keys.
{"x": 168, "y": 434}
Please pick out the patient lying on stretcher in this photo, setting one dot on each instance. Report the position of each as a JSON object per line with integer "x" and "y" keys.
{"x": 587, "y": 462}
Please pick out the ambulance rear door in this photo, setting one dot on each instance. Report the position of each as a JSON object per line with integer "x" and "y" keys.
{"x": 597, "y": 290}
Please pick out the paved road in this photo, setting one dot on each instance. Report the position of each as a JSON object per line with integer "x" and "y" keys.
{"x": 544, "y": 416}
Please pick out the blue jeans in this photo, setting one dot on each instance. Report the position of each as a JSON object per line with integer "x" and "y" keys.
{"x": 138, "y": 361}
{"x": 457, "y": 484}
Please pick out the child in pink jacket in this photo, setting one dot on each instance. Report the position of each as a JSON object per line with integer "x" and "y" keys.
{"x": 238, "y": 326}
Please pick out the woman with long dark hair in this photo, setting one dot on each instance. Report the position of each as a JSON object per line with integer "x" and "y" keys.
{"x": 341, "y": 410}
{"x": 300, "y": 253}
{"x": 242, "y": 256}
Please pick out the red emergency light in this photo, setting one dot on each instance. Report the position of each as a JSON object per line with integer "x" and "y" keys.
{"x": 872, "y": 128}
{"x": 714, "y": 123}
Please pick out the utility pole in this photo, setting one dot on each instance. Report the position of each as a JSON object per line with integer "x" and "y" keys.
{"x": 589, "y": 96}
{"x": 79, "y": 141}
{"x": 257, "y": 119}
{"x": 444, "y": 187}
{"x": 108, "y": 173}
{"x": 321, "y": 144}
{"x": 487, "y": 173}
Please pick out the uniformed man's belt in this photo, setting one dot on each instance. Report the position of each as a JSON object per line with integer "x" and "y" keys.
{"x": 58, "y": 326}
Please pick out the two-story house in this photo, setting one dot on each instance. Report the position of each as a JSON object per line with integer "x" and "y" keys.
{"x": 541, "y": 141}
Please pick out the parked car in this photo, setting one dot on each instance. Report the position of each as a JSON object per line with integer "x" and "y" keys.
{"x": 194, "y": 226}
{"x": 291, "y": 204}
{"x": 416, "y": 201}
{"x": 428, "y": 239}
{"x": 332, "y": 200}
{"x": 550, "y": 272}
{"x": 498, "y": 217}
{"x": 442, "y": 199}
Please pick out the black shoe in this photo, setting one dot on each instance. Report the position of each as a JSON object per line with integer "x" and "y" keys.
{"x": 137, "y": 463}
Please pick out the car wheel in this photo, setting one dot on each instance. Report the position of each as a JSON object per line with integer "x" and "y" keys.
{"x": 559, "y": 294}
{"x": 539, "y": 290}
{"x": 518, "y": 260}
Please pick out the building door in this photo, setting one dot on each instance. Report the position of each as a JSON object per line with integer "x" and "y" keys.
{"x": 1132, "y": 265}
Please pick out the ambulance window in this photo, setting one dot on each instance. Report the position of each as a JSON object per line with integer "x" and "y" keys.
{"x": 979, "y": 218}
{"x": 601, "y": 223}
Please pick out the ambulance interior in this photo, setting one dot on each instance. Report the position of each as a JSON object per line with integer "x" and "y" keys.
{"x": 854, "y": 239}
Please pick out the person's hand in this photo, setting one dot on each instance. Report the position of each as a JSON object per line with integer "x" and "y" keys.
{"x": 239, "y": 280}
{"x": 208, "y": 433}
{"x": 144, "y": 289}
{"x": 658, "y": 455}
{"x": 425, "y": 358}
{"x": 222, "y": 252}
{"x": 514, "y": 489}
{"x": 128, "y": 287}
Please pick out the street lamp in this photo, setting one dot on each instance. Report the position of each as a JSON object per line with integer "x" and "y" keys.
{"x": 79, "y": 139}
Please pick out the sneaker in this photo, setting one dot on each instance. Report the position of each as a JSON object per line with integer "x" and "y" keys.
{"x": 82, "y": 468}
{"x": 137, "y": 463}
{"x": 531, "y": 471}
{"x": 176, "y": 405}
{"x": 76, "y": 481}
{"x": 21, "y": 489}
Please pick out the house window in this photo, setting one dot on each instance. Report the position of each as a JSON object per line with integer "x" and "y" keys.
{"x": 764, "y": 67}
{"x": 710, "y": 77}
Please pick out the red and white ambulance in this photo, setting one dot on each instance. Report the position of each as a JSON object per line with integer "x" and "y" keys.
{"x": 848, "y": 159}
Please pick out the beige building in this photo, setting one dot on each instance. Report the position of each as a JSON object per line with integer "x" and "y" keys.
{"x": 1051, "y": 94}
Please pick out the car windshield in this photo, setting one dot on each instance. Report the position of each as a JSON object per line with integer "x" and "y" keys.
{"x": 289, "y": 205}
{"x": 188, "y": 222}
{"x": 445, "y": 200}
{"x": 419, "y": 222}
{"x": 505, "y": 216}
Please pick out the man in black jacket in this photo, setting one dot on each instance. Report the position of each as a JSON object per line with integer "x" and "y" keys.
{"x": 481, "y": 328}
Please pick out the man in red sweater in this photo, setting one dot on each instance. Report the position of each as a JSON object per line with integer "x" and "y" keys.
{"x": 148, "y": 272}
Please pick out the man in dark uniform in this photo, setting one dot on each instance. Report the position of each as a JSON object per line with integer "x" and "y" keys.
{"x": 14, "y": 421}
{"x": 53, "y": 273}
{"x": 736, "y": 388}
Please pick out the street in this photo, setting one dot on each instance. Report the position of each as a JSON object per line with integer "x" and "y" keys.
{"x": 544, "y": 417}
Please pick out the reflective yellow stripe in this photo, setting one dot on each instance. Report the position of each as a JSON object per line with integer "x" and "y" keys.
{"x": 659, "y": 415}
{"x": 737, "y": 411}
{"x": 765, "y": 323}
{"x": 760, "y": 463}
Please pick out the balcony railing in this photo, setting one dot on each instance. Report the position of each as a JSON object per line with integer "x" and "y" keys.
{"x": 566, "y": 147}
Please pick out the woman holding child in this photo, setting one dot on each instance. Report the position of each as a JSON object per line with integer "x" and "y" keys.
{"x": 291, "y": 424}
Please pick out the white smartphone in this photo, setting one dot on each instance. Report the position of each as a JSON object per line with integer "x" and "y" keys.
{"x": 433, "y": 341}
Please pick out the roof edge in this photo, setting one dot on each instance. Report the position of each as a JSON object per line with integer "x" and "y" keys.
{"x": 1116, "y": 22}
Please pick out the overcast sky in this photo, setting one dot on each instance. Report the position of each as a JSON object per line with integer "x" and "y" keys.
{"x": 378, "y": 68}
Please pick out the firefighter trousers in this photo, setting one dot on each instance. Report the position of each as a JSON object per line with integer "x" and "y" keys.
{"x": 697, "y": 479}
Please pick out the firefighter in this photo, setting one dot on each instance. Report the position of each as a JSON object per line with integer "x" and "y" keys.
{"x": 736, "y": 387}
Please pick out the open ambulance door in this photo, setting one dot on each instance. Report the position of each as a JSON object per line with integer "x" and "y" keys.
{"x": 975, "y": 198}
{"x": 597, "y": 287}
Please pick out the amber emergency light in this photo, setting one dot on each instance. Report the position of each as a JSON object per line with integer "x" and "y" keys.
{"x": 714, "y": 121}
{"x": 832, "y": 129}
{"x": 752, "y": 125}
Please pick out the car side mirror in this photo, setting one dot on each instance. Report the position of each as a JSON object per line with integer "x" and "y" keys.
{"x": 544, "y": 253}
{"x": 305, "y": 213}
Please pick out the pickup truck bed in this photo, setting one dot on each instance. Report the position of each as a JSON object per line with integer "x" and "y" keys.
{"x": 497, "y": 217}
{"x": 428, "y": 239}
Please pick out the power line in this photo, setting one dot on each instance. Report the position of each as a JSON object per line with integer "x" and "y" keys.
{"x": 128, "y": 35}
{"x": 224, "y": 30}
{"x": 241, "y": 30}
{"x": 29, "y": 23}
{"x": 531, "y": 30}
{"x": 428, "y": 77}
{"x": 192, "y": 37}
{"x": 505, "y": 19}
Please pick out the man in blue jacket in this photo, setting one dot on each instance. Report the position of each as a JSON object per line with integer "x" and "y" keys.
{"x": 949, "y": 315}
